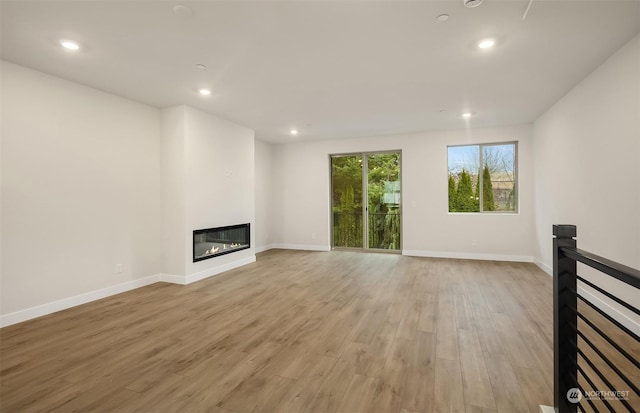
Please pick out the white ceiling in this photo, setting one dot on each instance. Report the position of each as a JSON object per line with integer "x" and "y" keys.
{"x": 347, "y": 68}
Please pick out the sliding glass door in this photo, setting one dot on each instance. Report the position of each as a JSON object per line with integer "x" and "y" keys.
{"x": 383, "y": 200}
{"x": 365, "y": 199}
{"x": 346, "y": 181}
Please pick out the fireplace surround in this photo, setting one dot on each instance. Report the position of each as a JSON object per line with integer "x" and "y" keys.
{"x": 213, "y": 242}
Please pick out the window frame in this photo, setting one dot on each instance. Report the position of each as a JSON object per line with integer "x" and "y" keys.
{"x": 516, "y": 170}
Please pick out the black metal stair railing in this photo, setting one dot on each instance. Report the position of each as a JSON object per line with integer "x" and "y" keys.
{"x": 591, "y": 356}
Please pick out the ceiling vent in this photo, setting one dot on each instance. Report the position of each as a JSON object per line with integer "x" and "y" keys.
{"x": 471, "y": 3}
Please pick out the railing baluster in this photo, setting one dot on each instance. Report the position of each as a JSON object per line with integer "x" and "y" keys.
{"x": 593, "y": 406}
{"x": 569, "y": 357}
{"x": 604, "y": 380}
{"x": 564, "y": 315}
{"x": 609, "y": 363}
{"x": 610, "y": 341}
{"x": 609, "y": 295}
{"x": 593, "y": 387}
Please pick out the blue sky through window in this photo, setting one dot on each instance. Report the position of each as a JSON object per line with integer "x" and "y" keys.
{"x": 463, "y": 157}
{"x": 498, "y": 157}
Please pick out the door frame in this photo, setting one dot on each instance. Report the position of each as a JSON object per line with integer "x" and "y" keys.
{"x": 365, "y": 203}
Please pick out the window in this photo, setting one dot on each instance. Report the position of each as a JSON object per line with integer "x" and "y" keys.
{"x": 483, "y": 178}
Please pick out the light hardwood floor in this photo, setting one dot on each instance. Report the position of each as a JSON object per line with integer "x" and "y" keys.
{"x": 297, "y": 331}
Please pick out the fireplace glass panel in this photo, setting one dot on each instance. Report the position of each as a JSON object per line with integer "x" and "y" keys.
{"x": 212, "y": 242}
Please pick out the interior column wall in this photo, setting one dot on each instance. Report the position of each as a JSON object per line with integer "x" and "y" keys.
{"x": 265, "y": 185}
{"x": 219, "y": 184}
{"x": 173, "y": 135}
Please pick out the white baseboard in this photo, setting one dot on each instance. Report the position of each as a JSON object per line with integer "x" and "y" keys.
{"x": 172, "y": 279}
{"x": 44, "y": 309}
{"x": 264, "y": 248}
{"x": 467, "y": 256}
{"x": 191, "y": 278}
{"x": 302, "y": 247}
{"x": 547, "y": 409}
{"x": 544, "y": 267}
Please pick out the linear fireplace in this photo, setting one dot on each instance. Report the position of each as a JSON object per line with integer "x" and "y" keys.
{"x": 212, "y": 242}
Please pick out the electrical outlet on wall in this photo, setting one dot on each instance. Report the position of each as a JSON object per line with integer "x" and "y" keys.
{"x": 118, "y": 268}
{"x": 313, "y": 235}
{"x": 474, "y": 242}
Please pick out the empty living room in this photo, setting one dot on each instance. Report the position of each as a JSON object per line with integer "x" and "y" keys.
{"x": 320, "y": 206}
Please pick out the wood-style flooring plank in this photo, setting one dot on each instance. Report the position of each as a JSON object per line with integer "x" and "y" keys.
{"x": 391, "y": 381}
{"x": 448, "y": 390}
{"x": 304, "y": 391}
{"x": 506, "y": 390}
{"x": 297, "y": 331}
{"x": 359, "y": 395}
{"x": 475, "y": 379}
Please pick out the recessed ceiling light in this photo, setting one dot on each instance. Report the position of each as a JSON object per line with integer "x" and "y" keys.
{"x": 201, "y": 66}
{"x": 204, "y": 92}
{"x": 442, "y": 18}
{"x": 471, "y": 3}
{"x": 486, "y": 43}
{"x": 293, "y": 132}
{"x": 182, "y": 11}
{"x": 467, "y": 115}
{"x": 69, "y": 44}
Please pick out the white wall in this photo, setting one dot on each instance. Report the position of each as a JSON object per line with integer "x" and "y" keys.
{"x": 91, "y": 180}
{"x": 208, "y": 181}
{"x": 302, "y": 180}
{"x": 173, "y": 130}
{"x": 587, "y": 164}
{"x": 173, "y": 189}
{"x": 219, "y": 183}
{"x": 264, "y": 190}
{"x": 80, "y": 189}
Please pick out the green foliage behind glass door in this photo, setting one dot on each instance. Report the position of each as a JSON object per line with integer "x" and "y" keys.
{"x": 346, "y": 178}
{"x": 383, "y": 200}
{"x": 383, "y": 188}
